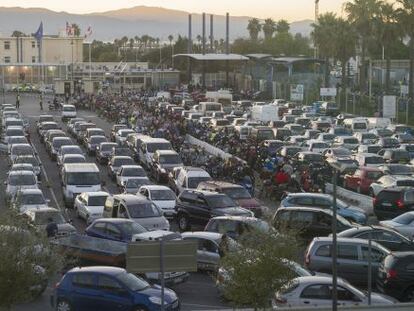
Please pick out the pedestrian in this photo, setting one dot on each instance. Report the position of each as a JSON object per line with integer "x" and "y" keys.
{"x": 51, "y": 228}
{"x": 18, "y": 101}
{"x": 41, "y": 102}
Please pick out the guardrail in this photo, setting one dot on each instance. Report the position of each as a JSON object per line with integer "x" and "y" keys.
{"x": 354, "y": 198}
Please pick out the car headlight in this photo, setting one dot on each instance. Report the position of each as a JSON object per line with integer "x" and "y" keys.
{"x": 155, "y": 300}
{"x": 163, "y": 171}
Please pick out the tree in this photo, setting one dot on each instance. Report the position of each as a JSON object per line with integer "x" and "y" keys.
{"x": 76, "y": 30}
{"x": 27, "y": 260}
{"x": 269, "y": 27}
{"x": 254, "y": 28}
{"x": 131, "y": 43}
{"x": 18, "y": 33}
{"x": 282, "y": 26}
{"x": 257, "y": 269}
{"x": 405, "y": 17}
{"x": 170, "y": 38}
{"x": 361, "y": 14}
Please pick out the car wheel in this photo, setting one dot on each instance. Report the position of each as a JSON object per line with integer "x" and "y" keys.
{"x": 409, "y": 295}
{"x": 140, "y": 308}
{"x": 63, "y": 305}
{"x": 183, "y": 223}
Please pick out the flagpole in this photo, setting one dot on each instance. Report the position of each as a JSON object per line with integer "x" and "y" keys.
{"x": 90, "y": 62}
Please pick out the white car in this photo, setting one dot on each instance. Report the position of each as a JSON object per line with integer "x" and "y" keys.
{"x": 20, "y": 180}
{"x": 69, "y": 149}
{"x": 40, "y": 217}
{"x": 68, "y": 111}
{"x": 90, "y": 205}
{"x": 404, "y": 224}
{"x": 18, "y": 150}
{"x": 126, "y": 172}
{"x": 120, "y": 136}
{"x": 29, "y": 198}
{"x": 16, "y": 140}
{"x": 316, "y": 291}
{"x": 348, "y": 142}
{"x": 388, "y": 181}
{"x": 13, "y": 131}
{"x": 72, "y": 158}
{"x": 161, "y": 196}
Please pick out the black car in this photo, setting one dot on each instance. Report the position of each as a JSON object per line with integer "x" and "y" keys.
{"x": 196, "y": 207}
{"x": 392, "y": 202}
{"x": 388, "y": 238}
{"x": 395, "y": 156}
{"x": 396, "y": 276}
{"x": 307, "y": 222}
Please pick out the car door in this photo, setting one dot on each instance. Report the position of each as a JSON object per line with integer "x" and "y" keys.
{"x": 208, "y": 254}
{"x": 82, "y": 205}
{"x": 346, "y": 297}
{"x": 321, "y": 224}
{"x": 202, "y": 212}
{"x": 114, "y": 296}
{"x": 353, "y": 181}
{"x": 349, "y": 266}
{"x": 376, "y": 258}
{"x": 85, "y": 292}
{"x": 113, "y": 233}
{"x": 97, "y": 230}
{"x": 315, "y": 295}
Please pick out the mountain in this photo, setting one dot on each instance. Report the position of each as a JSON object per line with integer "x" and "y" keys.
{"x": 136, "y": 21}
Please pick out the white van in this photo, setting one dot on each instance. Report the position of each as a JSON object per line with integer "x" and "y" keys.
{"x": 207, "y": 108}
{"x": 148, "y": 148}
{"x": 68, "y": 112}
{"x": 356, "y": 124}
{"x": 78, "y": 178}
{"x": 188, "y": 178}
{"x": 223, "y": 97}
{"x": 378, "y": 123}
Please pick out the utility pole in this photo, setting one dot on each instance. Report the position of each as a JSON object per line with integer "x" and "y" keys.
{"x": 316, "y": 20}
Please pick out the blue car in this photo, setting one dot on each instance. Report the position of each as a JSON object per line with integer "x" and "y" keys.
{"x": 117, "y": 229}
{"x": 109, "y": 289}
{"x": 321, "y": 200}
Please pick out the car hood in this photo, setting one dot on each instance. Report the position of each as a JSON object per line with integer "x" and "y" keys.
{"x": 377, "y": 298}
{"x": 249, "y": 203}
{"x": 95, "y": 209}
{"x": 231, "y": 211}
{"x": 153, "y": 223}
{"x": 151, "y": 235}
{"x": 390, "y": 223}
{"x": 165, "y": 204}
{"x": 66, "y": 228}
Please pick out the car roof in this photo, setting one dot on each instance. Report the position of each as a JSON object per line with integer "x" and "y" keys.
{"x": 21, "y": 173}
{"x": 131, "y": 198}
{"x": 98, "y": 269}
{"x": 305, "y": 208}
{"x": 96, "y": 193}
{"x": 308, "y": 194}
{"x": 238, "y": 218}
{"x": 156, "y": 187}
{"x": 131, "y": 166}
{"x": 80, "y": 167}
{"x": 115, "y": 220}
{"x": 222, "y": 184}
{"x": 166, "y": 152}
{"x": 203, "y": 234}
{"x": 316, "y": 279}
{"x": 344, "y": 240}
{"x": 30, "y": 191}
{"x": 42, "y": 210}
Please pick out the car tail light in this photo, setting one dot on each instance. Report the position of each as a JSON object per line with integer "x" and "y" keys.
{"x": 400, "y": 203}
{"x": 391, "y": 274}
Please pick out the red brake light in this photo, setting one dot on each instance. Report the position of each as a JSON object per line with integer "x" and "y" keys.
{"x": 400, "y": 203}
{"x": 391, "y": 274}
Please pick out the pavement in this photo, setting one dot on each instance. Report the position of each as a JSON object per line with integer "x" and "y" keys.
{"x": 198, "y": 293}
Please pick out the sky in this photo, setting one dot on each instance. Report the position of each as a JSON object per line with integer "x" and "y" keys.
{"x": 288, "y": 9}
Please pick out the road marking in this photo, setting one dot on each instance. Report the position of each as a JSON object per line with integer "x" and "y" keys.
{"x": 48, "y": 185}
{"x": 204, "y": 306}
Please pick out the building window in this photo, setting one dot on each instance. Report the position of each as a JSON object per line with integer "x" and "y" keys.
{"x": 33, "y": 44}
{"x": 7, "y": 59}
{"x": 7, "y": 45}
{"x": 33, "y": 59}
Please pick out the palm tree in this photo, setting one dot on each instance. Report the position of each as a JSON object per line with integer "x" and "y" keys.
{"x": 144, "y": 40}
{"x": 254, "y": 28}
{"x": 324, "y": 37}
{"x": 282, "y": 26}
{"x": 269, "y": 27}
{"x": 131, "y": 43}
{"x": 405, "y": 17}
{"x": 361, "y": 14}
{"x": 387, "y": 32}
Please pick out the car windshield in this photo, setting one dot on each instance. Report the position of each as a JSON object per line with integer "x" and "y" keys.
{"x": 384, "y": 132}
{"x": 405, "y": 183}
{"x": 132, "y": 282}
{"x": 313, "y": 158}
{"x": 404, "y": 219}
{"x": 72, "y": 150}
{"x": 152, "y": 147}
{"x": 98, "y": 140}
{"x": 320, "y": 145}
{"x": 194, "y": 181}
{"x": 374, "y": 160}
{"x": 15, "y": 132}
{"x": 237, "y": 193}
{"x": 83, "y": 178}
{"x": 68, "y": 108}
{"x": 374, "y": 175}
{"x": 126, "y": 133}
{"x": 144, "y": 210}
{"x": 341, "y": 152}
{"x": 341, "y": 131}
{"x": 133, "y": 171}
{"x": 123, "y": 161}
{"x": 169, "y": 159}
{"x": 220, "y": 201}
{"x": 22, "y": 180}
{"x": 369, "y": 136}
{"x": 401, "y": 155}
{"x": 20, "y": 150}
{"x": 131, "y": 228}
{"x": 400, "y": 170}
{"x": 80, "y": 159}
{"x": 292, "y": 151}
{"x": 61, "y": 142}
{"x": 351, "y": 141}
{"x": 136, "y": 183}
{"x": 409, "y": 148}
{"x": 360, "y": 126}
{"x": 42, "y": 218}
{"x": 97, "y": 200}
{"x": 373, "y": 149}
{"x": 107, "y": 147}
{"x": 162, "y": 195}
{"x": 29, "y": 160}
{"x": 17, "y": 140}
{"x": 29, "y": 199}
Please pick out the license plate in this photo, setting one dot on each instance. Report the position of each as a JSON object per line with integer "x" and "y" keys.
{"x": 386, "y": 204}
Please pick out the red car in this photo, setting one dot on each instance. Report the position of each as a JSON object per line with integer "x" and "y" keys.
{"x": 362, "y": 178}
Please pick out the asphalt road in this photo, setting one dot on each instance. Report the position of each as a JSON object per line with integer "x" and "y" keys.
{"x": 198, "y": 293}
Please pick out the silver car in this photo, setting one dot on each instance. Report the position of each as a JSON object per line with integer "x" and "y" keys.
{"x": 41, "y": 217}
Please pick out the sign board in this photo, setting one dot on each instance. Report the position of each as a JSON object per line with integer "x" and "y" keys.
{"x": 404, "y": 89}
{"x": 389, "y": 106}
{"x": 179, "y": 256}
{"x": 328, "y": 91}
{"x": 296, "y": 92}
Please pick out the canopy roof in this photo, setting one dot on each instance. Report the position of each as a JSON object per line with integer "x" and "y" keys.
{"x": 214, "y": 57}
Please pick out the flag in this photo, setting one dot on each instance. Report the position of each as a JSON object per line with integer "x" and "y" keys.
{"x": 88, "y": 32}
{"x": 39, "y": 33}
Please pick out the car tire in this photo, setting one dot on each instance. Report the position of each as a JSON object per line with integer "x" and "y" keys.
{"x": 408, "y": 295}
{"x": 63, "y": 305}
{"x": 183, "y": 222}
{"x": 140, "y": 308}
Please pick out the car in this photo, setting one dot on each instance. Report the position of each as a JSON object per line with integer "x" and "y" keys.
{"x": 362, "y": 178}
{"x": 162, "y": 196}
{"x": 71, "y": 124}
{"x": 325, "y": 201}
{"x": 18, "y": 150}
{"x": 46, "y": 126}
{"x": 409, "y": 148}
{"x": 315, "y": 146}
{"x": 163, "y": 161}
{"x": 34, "y": 161}
{"x": 16, "y": 140}
{"x": 93, "y": 142}
{"x": 387, "y": 237}
{"x": 348, "y": 142}
{"x": 56, "y": 144}
{"x": 120, "y": 136}
{"x": 388, "y": 142}
{"x": 90, "y": 205}
{"x": 381, "y": 132}
{"x": 71, "y": 158}
{"x": 66, "y": 150}
{"x": 132, "y": 185}
{"x": 335, "y": 154}
{"x": 288, "y": 151}
{"x": 19, "y": 180}
{"x": 22, "y": 167}
{"x": 404, "y": 138}
{"x": 353, "y": 257}
{"x": 68, "y": 111}
{"x": 50, "y": 134}
{"x": 316, "y": 291}
{"x": 126, "y": 172}
{"x": 12, "y": 131}
{"x": 326, "y": 137}
{"x": 104, "y": 151}
{"x": 235, "y": 226}
{"x": 368, "y": 149}
{"x": 236, "y": 192}
{"x": 388, "y": 181}
{"x": 92, "y": 131}
{"x": 29, "y": 198}
{"x": 395, "y": 156}
{"x": 309, "y": 222}
{"x": 397, "y": 169}
{"x": 117, "y": 229}
{"x": 109, "y": 288}
{"x": 366, "y": 138}
{"x": 115, "y": 128}
{"x": 404, "y": 224}
{"x": 81, "y": 131}
{"x": 186, "y": 177}
{"x": 195, "y": 207}
{"x": 305, "y": 158}
{"x": 369, "y": 159}
{"x": 392, "y": 202}
{"x": 396, "y": 277}
{"x": 41, "y": 217}
{"x": 115, "y": 164}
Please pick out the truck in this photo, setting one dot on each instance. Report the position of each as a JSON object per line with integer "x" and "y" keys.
{"x": 223, "y": 97}
{"x": 265, "y": 113}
